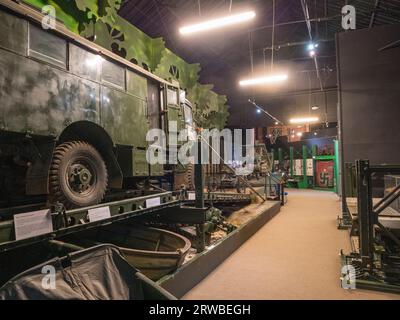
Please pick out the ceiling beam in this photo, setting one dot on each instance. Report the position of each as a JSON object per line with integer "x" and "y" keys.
{"x": 372, "y": 20}
{"x": 308, "y": 23}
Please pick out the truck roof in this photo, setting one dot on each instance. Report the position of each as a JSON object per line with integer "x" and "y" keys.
{"x": 34, "y": 15}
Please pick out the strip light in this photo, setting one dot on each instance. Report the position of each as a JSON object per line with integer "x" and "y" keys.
{"x": 303, "y": 120}
{"x": 218, "y": 23}
{"x": 264, "y": 80}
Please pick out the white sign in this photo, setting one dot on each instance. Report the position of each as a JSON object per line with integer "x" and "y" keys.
{"x": 298, "y": 167}
{"x": 99, "y": 214}
{"x": 32, "y": 224}
{"x": 310, "y": 167}
{"x": 191, "y": 196}
{"x": 154, "y": 202}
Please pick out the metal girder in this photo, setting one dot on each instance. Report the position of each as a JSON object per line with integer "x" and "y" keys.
{"x": 372, "y": 20}
{"x": 68, "y": 222}
{"x": 308, "y": 23}
{"x": 368, "y": 215}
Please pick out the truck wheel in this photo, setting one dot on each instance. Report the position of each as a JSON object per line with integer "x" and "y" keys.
{"x": 78, "y": 175}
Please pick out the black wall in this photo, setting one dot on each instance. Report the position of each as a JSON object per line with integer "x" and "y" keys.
{"x": 369, "y": 94}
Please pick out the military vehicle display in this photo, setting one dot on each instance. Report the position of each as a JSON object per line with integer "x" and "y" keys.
{"x": 74, "y": 116}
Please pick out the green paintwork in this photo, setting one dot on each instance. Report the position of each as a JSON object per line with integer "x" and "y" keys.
{"x": 291, "y": 162}
{"x": 140, "y": 165}
{"x": 136, "y": 85}
{"x": 99, "y": 20}
{"x": 303, "y": 182}
{"x": 123, "y": 117}
{"x": 18, "y": 28}
{"x": 337, "y": 167}
{"x": 43, "y": 107}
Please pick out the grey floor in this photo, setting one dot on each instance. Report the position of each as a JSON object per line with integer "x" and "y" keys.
{"x": 294, "y": 256}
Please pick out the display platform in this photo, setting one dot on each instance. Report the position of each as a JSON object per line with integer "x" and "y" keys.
{"x": 250, "y": 219}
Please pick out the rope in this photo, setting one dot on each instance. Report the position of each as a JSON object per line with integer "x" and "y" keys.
{"x": 273, "y": 35}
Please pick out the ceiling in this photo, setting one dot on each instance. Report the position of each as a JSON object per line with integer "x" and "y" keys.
{"x": 228, "y": 55}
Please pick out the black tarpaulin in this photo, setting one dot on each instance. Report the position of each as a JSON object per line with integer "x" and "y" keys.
{"x": 98, "y": 273}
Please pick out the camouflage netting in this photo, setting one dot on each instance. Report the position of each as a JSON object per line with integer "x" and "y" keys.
{"x": 99, "y": 21}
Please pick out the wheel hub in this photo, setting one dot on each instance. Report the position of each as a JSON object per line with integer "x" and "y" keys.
{"x": 80, "y": 178}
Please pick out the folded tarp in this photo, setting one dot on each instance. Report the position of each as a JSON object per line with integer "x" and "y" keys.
{"x": 97, "y": 273}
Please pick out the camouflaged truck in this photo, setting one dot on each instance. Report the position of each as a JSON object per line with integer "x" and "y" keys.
{"x": 74, "y": 116}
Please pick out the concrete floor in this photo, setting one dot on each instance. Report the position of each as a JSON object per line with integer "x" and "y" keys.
{"x": 294, "y": 256}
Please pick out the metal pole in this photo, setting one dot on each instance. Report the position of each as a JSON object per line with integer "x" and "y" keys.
{"x": 291, "y": 152}
{"x": 232, "y": 170}
{"x": 364, "y": 206}
{"x": 199, "y": 194}
{"x": 198, "y": 179}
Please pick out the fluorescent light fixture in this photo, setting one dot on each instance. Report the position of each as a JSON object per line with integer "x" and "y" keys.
{"x": 264, "y": 80}
{"x": 314, "y": 108}
{"x": 218, "y": 23}
{"x": 303, "y": 120}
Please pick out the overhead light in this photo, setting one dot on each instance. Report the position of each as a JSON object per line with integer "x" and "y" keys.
{"x": 258, "y": 111}
{"x": 299, "y": 134}
{"x": 218, "y": 23}
{"x": 312, "y": 46}
{"x": 264, "y": 80}
{"x": 315, "y": 133}
{"x": 313, "y": 53}
{"x": 276, "y": 123}
{"x": 303, "y": 120}
{"x": 314, "y": 108}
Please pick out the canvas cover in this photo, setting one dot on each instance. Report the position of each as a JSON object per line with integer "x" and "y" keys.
{"x": 97, "y": 273}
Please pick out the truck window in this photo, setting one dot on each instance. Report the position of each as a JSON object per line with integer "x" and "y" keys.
{"x": 188, "y": 115}
{"x": 136, "y": 84}
{"x": 47, "y": 47}
{"x": 113, "y": 74}
{"x": 172, "y": 96}
{"x": 18, "y": 28}
{"x": 84, "y": 63}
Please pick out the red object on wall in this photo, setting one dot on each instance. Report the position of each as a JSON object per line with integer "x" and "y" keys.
{"x": 325, "y": 174}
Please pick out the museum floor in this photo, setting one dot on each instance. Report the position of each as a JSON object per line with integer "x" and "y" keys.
{"x": 294, "y": 256}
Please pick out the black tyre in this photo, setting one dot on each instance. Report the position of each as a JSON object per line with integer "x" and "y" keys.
{"x": 78, "y": 175}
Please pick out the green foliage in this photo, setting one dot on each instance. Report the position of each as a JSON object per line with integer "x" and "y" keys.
{"x": 66, "y": 11}
{"x": 99, "y": 21}
{"x": 210, "y": 108}
{"x": 138, "y": 45}
{"x": 91, "y": 8}
{"x": 172, "y": 66}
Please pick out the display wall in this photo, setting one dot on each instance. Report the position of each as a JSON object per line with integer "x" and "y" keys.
{"x": 369, "y": 94}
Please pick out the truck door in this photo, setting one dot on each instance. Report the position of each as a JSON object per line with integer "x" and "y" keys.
{"x": 153, "y": 105}
{"x": 175, "y": 114}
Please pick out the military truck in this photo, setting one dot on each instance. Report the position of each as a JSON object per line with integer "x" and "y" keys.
{"x": 73, "y": 115}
